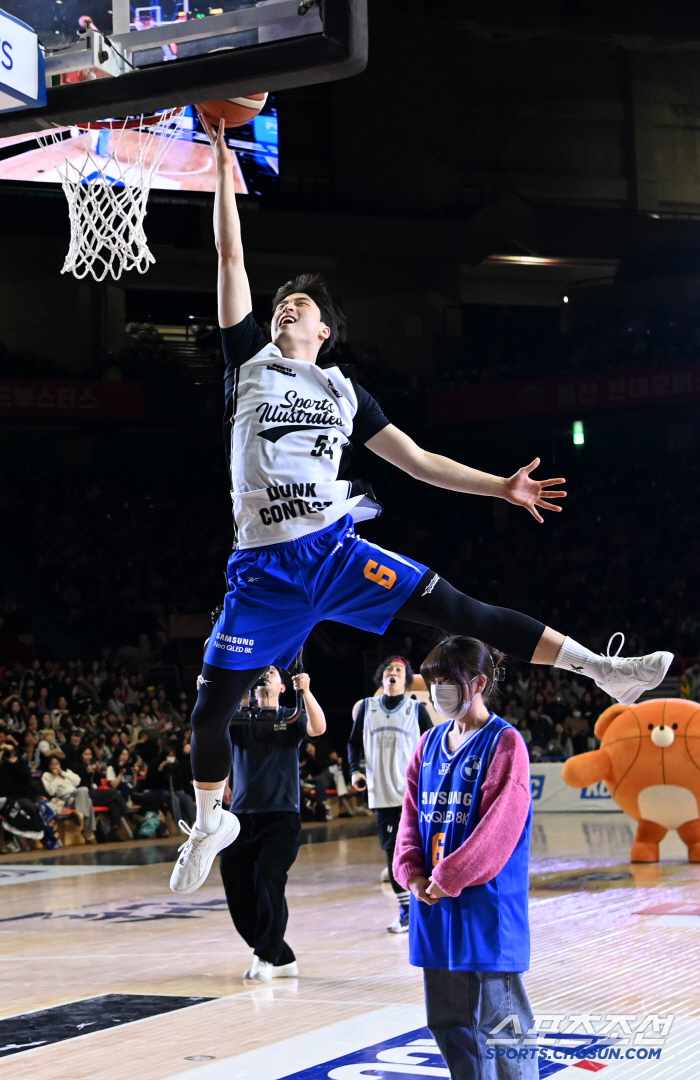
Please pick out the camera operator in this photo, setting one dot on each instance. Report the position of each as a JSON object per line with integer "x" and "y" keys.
{"x": 265, "y": 797}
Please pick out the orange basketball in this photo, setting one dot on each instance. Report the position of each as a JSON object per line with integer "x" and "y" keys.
{"x": 234, "y": 111}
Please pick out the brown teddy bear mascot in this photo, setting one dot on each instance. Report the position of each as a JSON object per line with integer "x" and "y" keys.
{"x": 649, "y": 758}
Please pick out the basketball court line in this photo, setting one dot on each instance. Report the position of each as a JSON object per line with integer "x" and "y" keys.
{"x": 312, "y": 1048}
{"x": 323, "y": 1054}
{"x": 61, "y": 1023}
{"x": 21, "y": 873}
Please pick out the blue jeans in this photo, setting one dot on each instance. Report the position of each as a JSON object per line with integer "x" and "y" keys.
{"x": 463, "y": 1007}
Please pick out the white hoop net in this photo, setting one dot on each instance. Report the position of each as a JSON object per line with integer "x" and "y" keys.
{"x": 106, "y": 174}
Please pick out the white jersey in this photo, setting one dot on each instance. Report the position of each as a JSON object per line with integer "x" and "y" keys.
{"x": 389, "y": 741}
{"x": 291, "y": 422}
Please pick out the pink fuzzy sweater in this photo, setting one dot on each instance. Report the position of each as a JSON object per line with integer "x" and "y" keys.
{"x": 505, "y": 801}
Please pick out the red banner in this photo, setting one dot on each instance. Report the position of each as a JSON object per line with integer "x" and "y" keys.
{"x": 54, "y": 397}
{"x": 624, "y": 389}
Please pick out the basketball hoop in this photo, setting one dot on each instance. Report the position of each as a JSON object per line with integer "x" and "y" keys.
{"x": 106, "y": 174}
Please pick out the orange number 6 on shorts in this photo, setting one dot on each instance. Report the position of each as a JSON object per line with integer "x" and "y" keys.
{"x": 381, "y": 574}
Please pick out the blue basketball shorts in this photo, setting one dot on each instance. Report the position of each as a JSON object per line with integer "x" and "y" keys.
{"x": 278, "y": 593}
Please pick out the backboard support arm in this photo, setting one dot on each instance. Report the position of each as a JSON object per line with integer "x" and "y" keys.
{"x": 121, "y": 17}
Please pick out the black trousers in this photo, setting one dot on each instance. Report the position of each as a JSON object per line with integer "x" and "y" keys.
{"x": 113, "y": 800}
{"x": 388, "y": 818}
{"x": 254, "y": 871}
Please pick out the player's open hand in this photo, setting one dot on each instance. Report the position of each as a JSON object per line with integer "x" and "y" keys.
{"x": 301, "y": 682}
{"x": 522, "y": 490}
{"x": 216, "y": 135}
{"x": 419, "y": 889}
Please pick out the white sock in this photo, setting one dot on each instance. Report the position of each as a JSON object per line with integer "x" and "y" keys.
{"x": 580, "y": 660}
{"x": 209, "y": 807}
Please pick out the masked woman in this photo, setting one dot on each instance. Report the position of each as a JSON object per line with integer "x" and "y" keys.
{"x": 463, "y": 851}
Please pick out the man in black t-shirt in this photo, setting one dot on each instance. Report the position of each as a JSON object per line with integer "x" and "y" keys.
{"x": 265, "y": 798}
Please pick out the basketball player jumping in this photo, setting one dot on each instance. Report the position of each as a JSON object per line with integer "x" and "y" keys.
{"x": 290, "y": 414}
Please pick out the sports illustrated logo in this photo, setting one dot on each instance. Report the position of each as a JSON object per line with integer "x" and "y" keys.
{"x": 282, "y": 370}
{"x": 470, "y": 769}
{"x": 556, "y": 1037}
{"x": 234, "y": 644}
{"x": 296, "y": 410}
{"x": 381, "y": 575}
{"x": 334, "y": 389}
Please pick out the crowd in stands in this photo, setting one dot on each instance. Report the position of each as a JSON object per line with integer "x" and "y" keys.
{"x": 108, "y": 746}
{"x": 497, "y": 343}
{"x": 86, "y": 737}
{"x": 144, "y": 525}
{"x": 628, "y": 527}
{"x": 501, "y": 344}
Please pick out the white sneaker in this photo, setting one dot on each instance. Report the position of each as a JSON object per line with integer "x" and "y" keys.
{"x": 199, "y": 852}
{"x": 627, "y": 678}
{"x": 260, "y": 970}
{"x": 399, "y": 925}
{"x": 285, "y": 971}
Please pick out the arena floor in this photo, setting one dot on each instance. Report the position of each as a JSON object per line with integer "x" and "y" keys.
{"x": 609, "y": 940}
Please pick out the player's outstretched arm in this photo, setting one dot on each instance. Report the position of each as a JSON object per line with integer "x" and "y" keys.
{"x": 520, "y": 489}
{"x": 233, "y": 288}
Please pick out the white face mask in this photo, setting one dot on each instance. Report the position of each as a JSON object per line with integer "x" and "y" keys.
{"x": 445, "y": 698}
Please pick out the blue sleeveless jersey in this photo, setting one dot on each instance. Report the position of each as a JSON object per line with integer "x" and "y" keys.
{"x": 486, "y": 927}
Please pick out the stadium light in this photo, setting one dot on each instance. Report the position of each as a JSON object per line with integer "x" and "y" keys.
{"x": 579, "y": 437}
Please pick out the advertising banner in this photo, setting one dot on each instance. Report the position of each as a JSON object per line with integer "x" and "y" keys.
{"x": 550, "y": 793}
{"x": 70, "y": 397}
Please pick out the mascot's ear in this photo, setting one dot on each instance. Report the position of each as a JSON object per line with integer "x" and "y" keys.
{"x": 605, "y": 719}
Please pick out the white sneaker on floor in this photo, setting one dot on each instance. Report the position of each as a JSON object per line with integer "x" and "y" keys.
{"x": 199, "y": 852}
{"x": 399, "y": 925}
{"x": 285, "y": 971}
{"x": 260, "y": 970}
{"x": 626, "y": 678}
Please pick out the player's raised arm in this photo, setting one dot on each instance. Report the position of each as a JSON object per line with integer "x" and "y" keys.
{"x": 520, "y": 489}
{"x": 233, "y": 287}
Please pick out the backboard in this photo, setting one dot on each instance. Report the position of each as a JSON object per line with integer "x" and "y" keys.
{"x": 113, "y": 58}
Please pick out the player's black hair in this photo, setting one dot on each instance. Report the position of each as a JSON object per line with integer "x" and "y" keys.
{"x": 461, "y": 659}
{"x": 314, "y": 286}
{"x": 379, "y": 673}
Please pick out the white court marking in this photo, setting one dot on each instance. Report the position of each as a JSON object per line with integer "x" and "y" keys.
{"x": 679, "y": 1060}
{"x": 313, "y": 1048}
{"x": 691, "y": 922}
{"x": 21, "y": 873}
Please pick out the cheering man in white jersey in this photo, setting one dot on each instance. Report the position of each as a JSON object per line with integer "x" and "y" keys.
{"x": 386, "y": 731}
{"x": 291, "y": 412}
